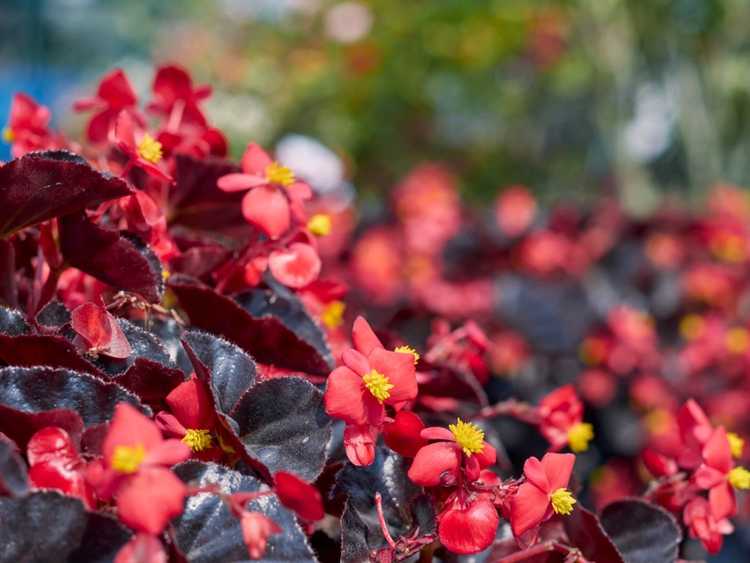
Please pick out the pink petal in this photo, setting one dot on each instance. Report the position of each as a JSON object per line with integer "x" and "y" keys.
{"x": 399, "y": 368}
{"x": 558, "y": 468}
{"x": 150, "y": 499}
{"x": 435, "y": 464}
{"x": 438, "y": 433}
{"x": 343, "y": 396}
{"x": 268, "y": 209}
{"x": 130, "y": 428}
{"x": 296, "y": 266}
{"x": 529, "y": 508}
{"x": 722, "y": 501}
{"x": 355, "y": 361}
{"x": 255, "y": 160}
{"x": 535, "y": 474}
{"x": 717, "y": 452}
{"x": 168, "y": 453}
{"x": 239, "y": 182}
{"x": 469, "y": 530}
{"x": 364, "y": 337}
{"x": 359, "y": 444}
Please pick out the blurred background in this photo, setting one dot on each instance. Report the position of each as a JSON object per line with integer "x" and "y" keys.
{"x": 571, "y": 97}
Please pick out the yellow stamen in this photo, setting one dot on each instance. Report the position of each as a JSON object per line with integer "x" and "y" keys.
{"x": 198, "y": 439}
{"x": 279, "y": 174}
{"x": 127, "y": 459}
{"x": 737, "y": 340}
{"x": 469, "y": 436}
{"x": 691, "y": 326}
{"x": 8, "y": 135}
{"x": 736, "y": 444}
{"x": 579, "y": 436}
{"x": 165, "y": 274}
{"x": 729, "y": 248}
{"x": 562, "y": 501}
{"x": 405, "y": 349}
{"x": 739, "y": 478}
{"x": 333, "y": 315}
{"x": 378, "y": 385}
{"x": 149, "y": 149}
{"x": 319, "y": 224}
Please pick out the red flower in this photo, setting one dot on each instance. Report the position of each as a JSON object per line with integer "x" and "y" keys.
{"x": 695, "y": 431}
{"x": 192, "y": 419}
{"x": 358, "y": 391}
{"x": 256, "y": 529}
{"x": 275, "y": 197}
{"x": 705, "y": 526}
{"x": 297, "y": 495}
{"x": 544, "y": 492}
{"x": 113, "y": 95}
{"x": 403, "y": 435}
{"x": 54, "y": 463}
{"x": 142, "y": 150}
{"x": 461, "y": 445}
{"x": 143, "y": 548}
{"x": 28, "y": 126}
{"x": 562, "y": 420}
{"x": 515, "y": 209}
{"x": 295, "y": 266}
{"x": 174, "y": 92}
{"x": 134, "y": 471}
{"x": 468, "y": 528}
{"x": 98, "y": 332}
{"x": 718, "y": 474}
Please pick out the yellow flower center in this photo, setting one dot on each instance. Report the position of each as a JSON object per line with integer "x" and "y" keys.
{"x": 319, "y": 224}
{"x": 197, "y": 438}
{"x": 736, "y": 444}
{"x": 579, "y": 436}
{"x": 729, "y": 248}
{"x": 279, "y": 174}
{"x": 737, "y": 340}
{"x": 469, "y": 436}
{"x": 127, "y": 459}
{"x": 333, "y": 315}
{"x": 691, "y": 326}
{"x": 8, "y": 135}
{"x": 562, "y": 501}
{"x": 739, "y": 478}
{"x": 149, "y": 149}
{"x": 408, "y": 350}
{"x": 378, "y": 385}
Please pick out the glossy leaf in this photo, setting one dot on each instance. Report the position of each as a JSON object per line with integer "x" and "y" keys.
{"x": 642, "y": 532}
{"x": 207, "y": 531}
{"x": 272, "y": 327}
{"x": 14, "y": 480}
{"x": 585, "y": 531}
{"x": 102, "y": 538}
{"x": 282, "y": 423}
{"x": 42, "y": 185}
{"x": 116, "y": 258}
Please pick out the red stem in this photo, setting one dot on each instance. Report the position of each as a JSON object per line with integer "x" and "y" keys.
{"x": 381, "y": 519}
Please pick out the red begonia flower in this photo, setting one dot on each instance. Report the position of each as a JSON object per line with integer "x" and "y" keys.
{"x": 695, "y": 430}
{"x": 403, "y": 434}
{"x": 658, "y": 464}
{"x": 134, "y": 471}
{"x": 142, "y": 150}
{"x": 515, "y": 209}
{"x": 718, "y": 474}
{"x": 113, "y": 95}
{"x": 295, "y": 266}
{"x": 461, "y": 445}
{"x": 256, "y": 529}
{"x": 562, "y": 423}
{"x": 174, "y": 91}
{"x": 359, "y": 443}
{"x": 98, "y": 332}
{"x": 143, "y": 548}
{"x": 544, "y": 492}
{"x": 705, "y": 526}
{"x": 275, "y": 197}
{"x": 54, "y": 463}
{"x": 297, "y": 495}
{"x": 28, "y": 126}
{"x": 469, "y": 528}
{"x": 192, "y": 418}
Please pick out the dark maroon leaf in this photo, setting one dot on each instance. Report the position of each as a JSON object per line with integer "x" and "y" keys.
{"x": 114, "y": 257}
{"x": 53, "y": 315}
{"x": 585, "y": 531}
{"x": 42, "y": 185}
{"x": 13, "y": 477}
{"x": 404, "y": 506}
{"x": 41, "y": 527}
{"x": 12, "y": 322}
{"x": 169, "y": 332}
{"x": 282, "y": 423}
{"x": 8, "y": 287}
{"x": 199, "y": 261}
{"x": 642, "y": 532}
{"x": 195, "y": 200}
{"x": 227, "y": 370}
{"x": 207, "y": 531}
{"x": 102, "y": 539}
{"x": 31, "y": 398}
{"x": 43, "y": 350}
{"x": 280, "y": 334}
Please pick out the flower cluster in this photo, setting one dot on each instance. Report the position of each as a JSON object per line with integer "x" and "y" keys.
{"x": 188, "y": 372}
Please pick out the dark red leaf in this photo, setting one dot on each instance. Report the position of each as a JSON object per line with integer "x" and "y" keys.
{"x": 42, "y": 185}
{"x": 585, "y": 531}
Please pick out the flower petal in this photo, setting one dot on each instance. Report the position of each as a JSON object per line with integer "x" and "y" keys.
{"x": 150, "y": 499}
{"x": 296, "y": 266}
{"x": 717, "y": 452}
{"x": 528, "y": 509}
{"x": 299, "y": 496}
{"x": 359, "y": 444}
{"x": 343, "y": 396}
{"x": 558, "y": 468}
{"x": 364, "y": 337}
{"x": 237, "y": 182}
{"x": 130, "y": 428}
{"x": 435, "y": 464}
{"x": 268, "y": 209}
{"x": 399, "y": 369}
{"x": 255, "y": 160}
{"x": 191, "y": 404}
{"x": 469, "y": 530}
